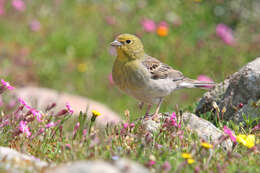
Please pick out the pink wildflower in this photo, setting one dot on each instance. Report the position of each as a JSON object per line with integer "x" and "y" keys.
{"x": 37, "y": 114}
{"x": 256, "y": 128}
{"x": 2, "y": 10}
{"x": 24, "y": 128}
{"x": 69, "y": 108}
{"x": 85, "y": 131}
{"x": 125, "y": 125}
{"x": 229, "y": 133}
{"x": 173, "y": 120}
{"x": 151, "y": 163}
{"x": 75, "y": 129}
{"x": 148, "y": 25}
{"x": 132, "y": 125}
{"x": 205, "y": 78}
{"x": 51, "y": 124}
{"x": 19, "y": 5}
{"x": 7, "y": 85}
{"x": 22, "y": 102}
{"x": 32, "y": 110}
{"x": 1, "y": 101}
{"x": 166, "y": 166}
{"x": 110, "y": 79}
{"x": 35, "y": 25}
{"x": 225, "y": 33}
{"x": 173, "y": 116}
{"x": 68, "y": 146}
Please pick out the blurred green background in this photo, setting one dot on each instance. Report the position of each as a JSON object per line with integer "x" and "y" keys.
{"x": 64, "y": 44}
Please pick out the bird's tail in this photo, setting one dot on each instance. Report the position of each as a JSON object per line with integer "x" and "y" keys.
{"x": 190, "y": 83}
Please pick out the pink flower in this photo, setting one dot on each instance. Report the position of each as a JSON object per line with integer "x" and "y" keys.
{"x": 166, "y": 166}
{"x": 229, "y": 133}
{"x": 151, "y": 163}
{"x": 68, "y": 146}
{"x": 225, "y": 33}
{"x": 148, "y": 25}
{"x": 110, "y": 79}
{"x": 205, "y": 78}
{"x": 51, "y": 124}
{"x": 132, "y": 125}
{"x": 256, "y": 128}
{"x": 173, "y": 116}
{"x": 173, "y": 120}
{"x": 37, "y": 114}
{"x": 24, "y": 128}
{"x": 75, "y": 129}
{"x": 19, "y": 5}
{"x": 69, "y": 108}
{"x": 1, "y": 101}
{"x": 7, "y": 85}
{"x": 32, "y": 110}
{"x": 85, "y": 131}
{"x": 2, "y": 10}
{"x": 125, "y": 125}
{"x": 35, "y": 25}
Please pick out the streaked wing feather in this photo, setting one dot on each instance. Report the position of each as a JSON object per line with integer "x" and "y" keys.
{"x": 160, "y": 70}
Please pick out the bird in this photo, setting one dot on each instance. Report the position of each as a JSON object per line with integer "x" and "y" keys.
{"x": 144, "y": 77}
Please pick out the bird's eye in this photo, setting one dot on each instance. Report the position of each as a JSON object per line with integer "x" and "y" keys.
{"x": 128, "y": 41}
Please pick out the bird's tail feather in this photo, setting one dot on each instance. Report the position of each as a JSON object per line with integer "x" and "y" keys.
{"x": 190, "y": 83}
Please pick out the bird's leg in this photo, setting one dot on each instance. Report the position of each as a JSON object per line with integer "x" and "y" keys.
{"x": 140, "y": 105}
{"x": 149, "y": 106}
{"x": 155, "y": 115}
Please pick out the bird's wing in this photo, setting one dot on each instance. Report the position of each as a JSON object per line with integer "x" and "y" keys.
{"x": 159, "y": 70}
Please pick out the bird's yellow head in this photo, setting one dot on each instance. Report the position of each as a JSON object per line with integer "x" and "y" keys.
{"x": 128, "y": 46}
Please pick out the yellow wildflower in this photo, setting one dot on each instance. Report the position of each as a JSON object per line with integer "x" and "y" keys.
{"x": 186, "y": 155}
{"x": 206, "y": 145}
{"x": 82, "y": 67}
{"x": 96, "y": 113}
{"x": 190, "y": 161}
{"x": 248, "y": 141}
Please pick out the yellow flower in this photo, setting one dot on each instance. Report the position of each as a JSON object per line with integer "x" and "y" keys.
{"x": 206, "y": 145}
{"x": 96, "y": 113}
{"x": 186, "y": 155}
{"x": 248, "y": 141}
{"x": 190, "y": 161}
{"x": 82, "y": 67}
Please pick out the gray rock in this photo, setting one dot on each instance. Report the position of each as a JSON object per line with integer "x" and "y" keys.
{"x": 129, "y": 166}
{"x": 150, "y": 125}
{"x": 240, "y": 88}
{"x": 250, "y": 110}
{"x": 13, "y": 161}
{"x": 84, "y": 167}
{"x": 205, "y": 129}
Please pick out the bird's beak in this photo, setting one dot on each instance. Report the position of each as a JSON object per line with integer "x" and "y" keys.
{"x": 116, "y": 43}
